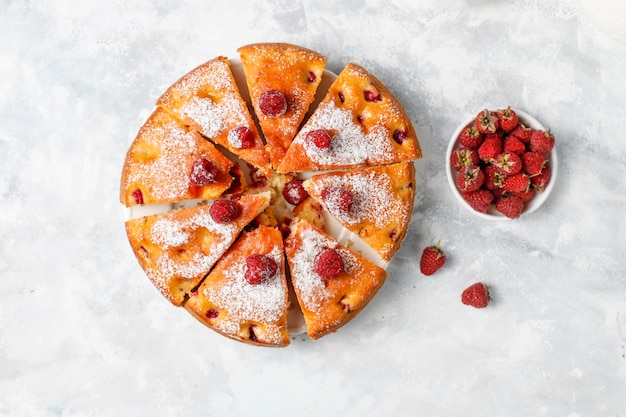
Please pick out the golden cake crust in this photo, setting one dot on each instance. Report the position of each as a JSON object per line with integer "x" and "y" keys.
{"x": 366, "y": 123}
{"x": 177, "y": 249}
{"x": 328, "y": 304}
{"x": 228, "y": 304}
{"x": 382, "y": 202}
{"x": 294, "y": 71}
{"x": 159, "y": 162}
{"x": 208, "y": 100}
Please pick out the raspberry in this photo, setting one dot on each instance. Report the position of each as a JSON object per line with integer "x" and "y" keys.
{"x": 241, "y": 138}
{"x": 480, "y": 200}
{"x": 312, "y": 77}
{"x": 138, "y": 196}
{"x": 224, "y": 211}
{"x": 259, "y": 268}
{"x": 541, "y": 141}
{"x": 203, "y": 172}
{"x": 320, "y": 138}
{"x": 338, "y": 199}
{"x": 533, "y": 163}
{"x": 273, "y": 103}
{"x": 342, "y": 98}
{"x": 294, "y": 192}
{"x": 514, "y": 145}
{"x": 400, "y": 135}
{"x": 212, "y": 313}
{"x": 329, "y": 264}
{"x": 372, "y": 96}
{"x": 510, "y": 205}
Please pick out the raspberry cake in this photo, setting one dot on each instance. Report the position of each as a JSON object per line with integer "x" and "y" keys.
{"x": 375, "y": 203}
{"x": 216, "y": 203}
{"x": 332, "y": 283}
{"x": 208, "y": 99}
{"x": 245, "y": 297}
{"x": 359, "y": 123}
{"x": 177, "y": 249}
{"x": 282, "y": 80}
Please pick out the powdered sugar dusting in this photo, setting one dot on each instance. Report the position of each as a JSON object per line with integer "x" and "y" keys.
{"x": 213, "y": 117}
{"x": 350, "y": 145}
{"x": 262, "y": 303}
{"x": 311, "y": 286}
{"x": 167, "y": 175}
{"x": 374, "y": 198}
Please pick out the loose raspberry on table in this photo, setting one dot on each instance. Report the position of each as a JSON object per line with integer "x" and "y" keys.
{"x": 476, "y": 295}
{"x": 294, "y": 193}
{"x": 273, "y": 103}
{"x": 203, "y": 172}
{"x": 329, "y": 264}
{"x": 224, "y": 211}
{"x": 259, "y": 268}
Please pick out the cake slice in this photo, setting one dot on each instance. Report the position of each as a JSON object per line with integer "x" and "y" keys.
{"x": 375, "y": 203}
{"x": 282, "y": 80}
{"x": 332, "y": 283}
{"x": 208, "y": 99}
{"x": 177, "y": 249}
{"x": 358, "y": 123}
{"x": 245, "y": 297}
{"x": 167, "y": 163}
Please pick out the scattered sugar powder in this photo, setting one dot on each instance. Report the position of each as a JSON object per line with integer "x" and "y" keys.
{"x": 350, "y": 145}
{"x": 170, "y": 233}
{"x": 213, "y": 117}
{"x": 310, "y": 285}
{"x": 374, "y": 199}
{"x": 166, "y": 175}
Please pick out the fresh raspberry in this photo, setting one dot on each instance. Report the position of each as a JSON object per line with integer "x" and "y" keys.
{"x": 329, "y": 264}
{"x": 224, "y": 211}
{"x": 476, "y": 295}
{"x": 294, "y": 193}
{"x": 540, "y": 182}
{"x": 510, "y": 205}
{"x": 493, "y": 177}
{"x": 311, "y": 77}
{"x": 533, "y": 163}
{"x": 487, "y": 122}
{"x": 320, "y": 138}
{"x": 273, "y": 103}
{"x": 514, "y": 145}
{"x": 432, "y": 259}
{"x": 400, "y": 135}
{"x": 508, "y": 163}
{"x": 259, "y": 268}
{"x": 241, "y": 138}
{"x": 203, "y": 172}
{"x": 137, "y": 196}
{"x": 516, "y": 183}
{"x": 462, "y": 158}
{"x": 372, "y": 96}
{"x": 470, "y": 179}
{"x": 526, "y": 196}
{"x": 338, "y": 199}
{"x": 479, "y": 200}
{"x": 522, "y": 132}
{"x": 470, "y": 137}
{"x": 490, "y": 148}
{"x": 212, "y": 313}
{"x": 508, "y": 119}
{"x": 541, "y": 141}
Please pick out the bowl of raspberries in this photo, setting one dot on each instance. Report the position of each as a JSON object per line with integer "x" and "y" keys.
{"x": 501, "y": 163}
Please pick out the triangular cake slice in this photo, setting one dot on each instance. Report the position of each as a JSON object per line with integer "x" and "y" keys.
{"x": 167, "y": 163}
{"x": 245, "y": 297}
{"x": 282, "y": 80}
{"x": 375, "y": 203}
{"x": 177, "y": 249}
{"x": 358, "y": 123}
{"x": 332, "y": 283}
{"x": 208, "y": 99}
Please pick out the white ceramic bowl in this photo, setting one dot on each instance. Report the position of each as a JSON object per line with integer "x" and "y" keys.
{"x": 492, "y": 214}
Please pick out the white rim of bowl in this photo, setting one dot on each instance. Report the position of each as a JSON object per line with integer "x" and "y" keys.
{"x": 493, "y": 215}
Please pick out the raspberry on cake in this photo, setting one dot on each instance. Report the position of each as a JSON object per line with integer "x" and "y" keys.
{"x": 366, "y": 125}
{"x": 245, "y": 297}
{"x": 332, "y": 283}
{"x": 282, "y": 80}
{"x": 177, "y": 249}
{"x": 168, "y": 163}
{"x": 208, "y": 99}
{"x": 375, "y": 203}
